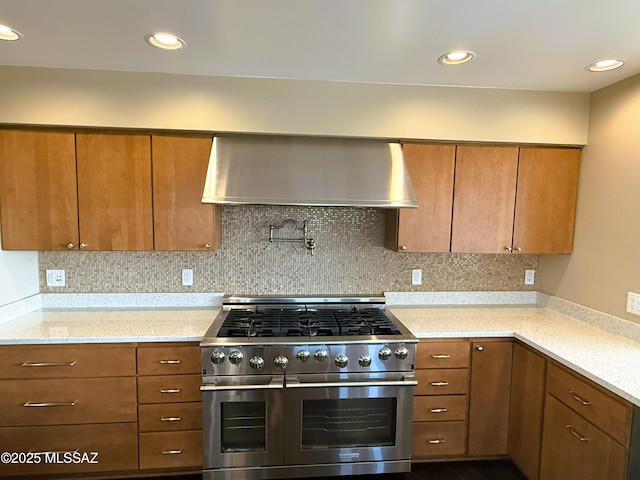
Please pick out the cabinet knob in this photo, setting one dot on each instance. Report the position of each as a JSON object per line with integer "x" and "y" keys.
{"x": 207, "y": 245}
{"x": 479, "y": 348}
{"x": 403, "y": 247}
{"x": 518, "y": 249}
{"x": 508, "y": 249}
{"x": 83, "y": 245}
{"x": 71, "y": 246}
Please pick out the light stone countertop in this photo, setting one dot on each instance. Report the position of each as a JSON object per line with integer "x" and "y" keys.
{"x": 108, "y": 326}
{"x": 610, "y": 360}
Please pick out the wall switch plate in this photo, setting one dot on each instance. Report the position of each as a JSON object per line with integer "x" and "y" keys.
{"x": 416, "y": 276}
{"x": 633, "y": 303}
{"x": 187, "y": 277}
{"x": 529, "y": 277}
{"x": 55, "y": 278}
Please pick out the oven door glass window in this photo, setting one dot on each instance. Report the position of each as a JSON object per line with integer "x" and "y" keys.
{"x": 244, "y": 427}
{"x": 344, "y": 423}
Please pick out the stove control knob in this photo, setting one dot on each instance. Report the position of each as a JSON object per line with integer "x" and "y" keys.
{"x": 236, "y": 357}
{"x": 341, "y": 361}
{"x": 217, "y": 357}
{"x": 303, "y": 355}
{"x": 385, "y": 353}
{"x": 320, "y": 355}
{"x": 256, "y": 362}
{"x": 364, "y": 360}
{"x": 281, "y": 362}
{"x": 401, "y": 353}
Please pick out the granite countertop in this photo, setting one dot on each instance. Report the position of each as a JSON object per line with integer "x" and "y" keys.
{"x": 610, "y": 360}
{"x": 606, "y": 358}
{"x": 108, "y": 326}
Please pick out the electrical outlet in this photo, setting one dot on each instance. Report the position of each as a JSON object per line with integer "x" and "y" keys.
{"x": 633, "y": 303}
{"x": 529, "y": 277}
{"x": 416, "y": 276}
{"x": 187, "y": 277}
{"x": 55, "y": 278}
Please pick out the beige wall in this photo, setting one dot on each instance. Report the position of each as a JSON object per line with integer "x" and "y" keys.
{"x": 190, "y": 102}
{"x": 18, "y": 275}
{"x": 605, "y": 264}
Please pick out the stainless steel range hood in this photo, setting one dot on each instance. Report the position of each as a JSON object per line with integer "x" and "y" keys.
{"x": 277, "y": 170}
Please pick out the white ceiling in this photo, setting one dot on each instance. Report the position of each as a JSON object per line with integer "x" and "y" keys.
{"x": 525, "y": 44}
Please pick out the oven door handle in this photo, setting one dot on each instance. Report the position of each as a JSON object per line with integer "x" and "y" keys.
{"x": 407, "y": 381}
{"x": 275, "y": 383}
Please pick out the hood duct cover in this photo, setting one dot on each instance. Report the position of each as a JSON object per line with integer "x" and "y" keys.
{"x": 273, "y": 170}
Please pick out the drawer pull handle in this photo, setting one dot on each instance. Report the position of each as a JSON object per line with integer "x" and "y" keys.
{"x": 439, "y": 410}
{"x": 440, "y": 384}
{"x": 49, "y": 404}
{"x": 170, "y": 362}
{"x": 171, "y": 452}
{"x": 440, "y": 356}
{"x": 170, "y": 390}
{"x": 170, "y": 419}
{"x": 436, "y": 441}
{"x": 576, "y": 434}
{"x": 578, "y": 399}
{"x": 48, "y": 364}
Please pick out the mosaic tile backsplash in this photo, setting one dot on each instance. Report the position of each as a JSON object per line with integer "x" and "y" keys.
{"x": 350, "y": 258}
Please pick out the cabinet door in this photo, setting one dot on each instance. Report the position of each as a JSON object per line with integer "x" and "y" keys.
{"x": 114, "y": 191}
{"x": 489, "y": 396}
{"x": 573, "y": 449}
{"x": 484, "y": 200}
{"x": 38, "y": 197}
{"x": 527, "y": 408}
{"x": 428, "y": 227}
{"x": 546, "y": 200}
{"x": 180, "y": 220}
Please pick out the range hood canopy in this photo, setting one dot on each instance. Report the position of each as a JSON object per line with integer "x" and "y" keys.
{"x": 278, "y": 170}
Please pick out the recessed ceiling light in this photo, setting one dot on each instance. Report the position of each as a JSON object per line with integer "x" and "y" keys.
{"x": 457, "y": 57}
{"x": 166, "y": 41}
{"x": 605, "y": 65}
{"x": 9, "y": 34}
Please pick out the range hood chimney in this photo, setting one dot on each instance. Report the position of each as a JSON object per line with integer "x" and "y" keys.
{"x": 277, "y": 170}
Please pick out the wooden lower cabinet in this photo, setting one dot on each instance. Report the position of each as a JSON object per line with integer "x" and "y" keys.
{"x": 574, "y": 449}
{"x": 116, "y": 446}
{"x": 489, "y": 397}
{"x": 528, "y": 375}
{"x": 439, "y": 439}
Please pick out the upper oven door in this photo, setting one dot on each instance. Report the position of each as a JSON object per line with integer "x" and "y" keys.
{"x": 348, "y": 418}
{"x": 242, "y": 421}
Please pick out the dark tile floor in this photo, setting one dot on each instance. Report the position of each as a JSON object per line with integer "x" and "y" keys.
{"x": 479, "y": 470}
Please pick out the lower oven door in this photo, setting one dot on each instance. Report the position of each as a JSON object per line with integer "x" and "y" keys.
{"x": 242, "y": 421}
{"x": 348, "y": 418}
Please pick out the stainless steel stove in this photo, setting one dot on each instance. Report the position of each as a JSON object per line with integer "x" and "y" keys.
{"x": 306, "y": 386}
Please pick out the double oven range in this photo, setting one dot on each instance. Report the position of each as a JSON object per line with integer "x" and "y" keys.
{"x": 299, "y": 387}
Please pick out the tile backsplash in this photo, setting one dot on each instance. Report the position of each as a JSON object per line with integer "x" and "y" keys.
{"x": 350, "y": 258}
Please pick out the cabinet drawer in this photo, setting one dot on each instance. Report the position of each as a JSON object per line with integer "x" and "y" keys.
{"x": 169, "y": 389}
{"x": 63, "y": 401}
{"x": 439, "y": 408}
{"x": 66, "y": 361}
{"x": 170, "y": 416}
{"x": 574, "y": 449}
{"x": 613, "y": 416}
{"x": 168, "y": 360}
{"x": 171, "y": 449}
{"x": 442, "y": 381}
{"x": 435, "y": 439}
{"x": 442, "y": 354}
{"x": 116, "y": 445}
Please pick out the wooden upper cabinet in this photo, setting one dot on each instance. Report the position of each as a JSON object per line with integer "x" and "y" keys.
{"x": 114, "y": 191}
{"x": 546, "y": 200}
{"x": 427, "y": 228}
{"x": 38, "y": 197}
{"x": 181, "y": 221}
{"x": 484, "y": 201}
